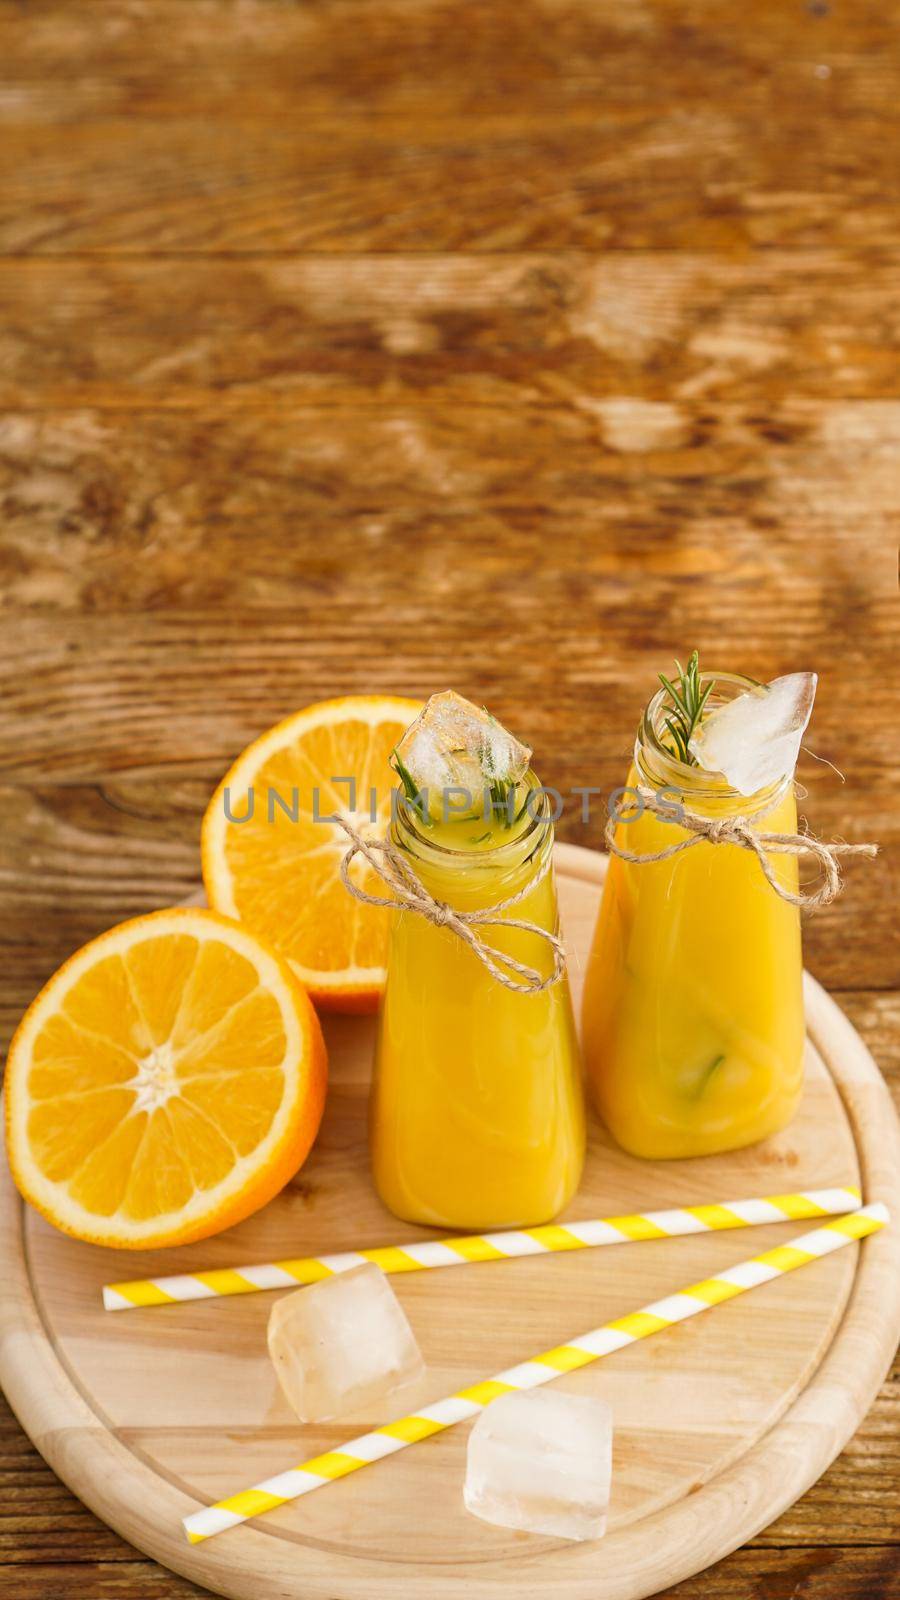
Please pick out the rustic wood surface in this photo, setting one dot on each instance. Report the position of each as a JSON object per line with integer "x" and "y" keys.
{"x": 715, "y": 1433}
{"x": 378, "y": 344}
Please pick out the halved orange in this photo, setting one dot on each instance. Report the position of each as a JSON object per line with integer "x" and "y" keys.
{"x": 272, "y": 859}
{"x": 167, "y": 1082}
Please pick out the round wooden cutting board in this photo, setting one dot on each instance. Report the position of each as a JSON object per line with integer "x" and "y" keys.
{"x": 721, "y": 1422}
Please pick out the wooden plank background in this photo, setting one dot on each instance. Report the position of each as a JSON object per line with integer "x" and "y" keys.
{"x": 350, "y": 345}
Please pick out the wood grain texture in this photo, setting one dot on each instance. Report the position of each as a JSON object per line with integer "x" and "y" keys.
{"x": 750, "y": 1574}
{"x": 418, "y": 125}
{"x": 138, "y": 509}
{"x": 703, "y": 1457}
{"x": 379, "y": 343}
{"x": 684, "y": 332}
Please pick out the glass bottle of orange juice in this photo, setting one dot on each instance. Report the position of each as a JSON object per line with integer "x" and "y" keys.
{"x": 693, "y": 1028}
{"x": 476, "y": 1114}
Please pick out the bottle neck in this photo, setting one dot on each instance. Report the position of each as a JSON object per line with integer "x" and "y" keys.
{"x": 473, "y": 870}
{"x": 709, "y": 793}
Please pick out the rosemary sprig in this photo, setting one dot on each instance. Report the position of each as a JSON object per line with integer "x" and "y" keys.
{"x": 501, "y": 790}
{"x": 688, "y": 702}
{"x": 413, "y": 793}
{"x": 705, "y": 1076}
{"x": 410, "y": 788}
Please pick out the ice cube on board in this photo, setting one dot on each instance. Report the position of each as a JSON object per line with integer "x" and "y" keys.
{"x": 455, "y": 744}
{"x": 341, "y": 1343}
{"x": 754, "y": 739}
{"x": 541, "y": 1460}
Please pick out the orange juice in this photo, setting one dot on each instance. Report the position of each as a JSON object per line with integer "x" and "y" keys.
{"x": 477, "y": 1115}
{"x": 693, "y": 1008}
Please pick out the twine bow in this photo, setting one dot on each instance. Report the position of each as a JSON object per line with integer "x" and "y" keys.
{"x": 740, "y": 831}
{"x": 410, "y": 894}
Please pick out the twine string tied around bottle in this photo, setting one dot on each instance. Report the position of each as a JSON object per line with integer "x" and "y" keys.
{"x": 741, "y": 831}
{"x": 408, "y": 893}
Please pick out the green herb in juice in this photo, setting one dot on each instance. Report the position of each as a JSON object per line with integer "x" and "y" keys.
{"x": 688, "y": 701}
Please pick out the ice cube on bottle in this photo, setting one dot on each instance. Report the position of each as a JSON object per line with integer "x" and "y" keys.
{"x": 754, "y": 739}
{"x": 455, "y": 744}
{"x": 341, "y": 1343}
{"x": 541, "y": 1460}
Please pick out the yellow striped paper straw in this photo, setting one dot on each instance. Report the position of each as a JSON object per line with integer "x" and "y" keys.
{"x": 540, "y": 1369}
{"x": 483, "y": 1247}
